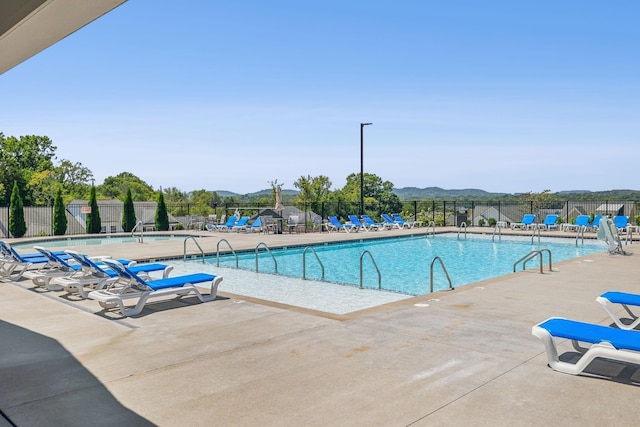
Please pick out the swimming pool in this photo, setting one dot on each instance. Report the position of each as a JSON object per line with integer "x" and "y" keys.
{"x": 404, "y": 263}
{"x": 93, "y": 241}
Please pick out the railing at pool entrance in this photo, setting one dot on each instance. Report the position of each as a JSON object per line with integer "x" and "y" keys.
{"x": 431, "y": 226}
{"x": 499, "y": 231}
{"x": 365, "y": 252}
{"x": 184, "y": 255}
{"x": 218, "y": 252}
{"x": 263, "y": 244}
{"x": 531, "y": 255}
{"x": 462, "y": 226}
{"x": 140, "y": 236}
{"x": 446, "y": 273}
{"x": 304, "y": 262}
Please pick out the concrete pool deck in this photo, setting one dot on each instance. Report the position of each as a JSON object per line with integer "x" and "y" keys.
{"x": 453, "y": 358}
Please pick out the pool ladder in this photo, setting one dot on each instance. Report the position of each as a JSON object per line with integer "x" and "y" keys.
{"x": 263, "y": 244}
{"x": 373, "y": 261}
{"x": 462, "y": 225}
{"x": 304, "y": 263}
{"x": 184, "y": 254}
{"x": 446, "y": 273}
{"x": 218, "y": 252}
{"x": 140, "y": 236}
{"x": 531, "y": 255}
{"x": 431, "y": 226}
{"x": 498, "y": 230}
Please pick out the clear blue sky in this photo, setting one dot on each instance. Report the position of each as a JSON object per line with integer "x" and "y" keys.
{"x": 505, "y": 96}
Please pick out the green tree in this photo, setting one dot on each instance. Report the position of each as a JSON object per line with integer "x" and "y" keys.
{"x": 17, "y": 225}
{"x": 162, "y": 217}
{"x": 94, "y": 224}
{"x": 128, "y": 213}
{"x": 74, "y": 178}
{"x": 21, "y": 158}
{"x": 376, "y": 192}
{"x": 59, "y": 215}
{"x": 115, "y": 187}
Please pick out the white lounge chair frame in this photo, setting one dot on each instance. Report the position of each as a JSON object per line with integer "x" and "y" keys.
{"x": 600, "y": 346}
{"x": 127, "y": 290}
{"x": 609, "y": 301}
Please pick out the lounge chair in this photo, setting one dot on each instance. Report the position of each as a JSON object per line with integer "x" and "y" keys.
{"x": 97, "y": 274}
{"x": 580, "y": 222}
{"x": 610, "y": 299}
{"x": 549, "y": 223}
{"x": 55, "y": 268}
{"x": 133, "y": 287}
{"x": 621, "y": 222}
{"x": 228, "y": 225}
{"x": 336, "y": 225}
{"x": 527, "y": 222}
{"x": 241, "y": 224}
{"x": 402, "y": 222}
{"x": 608, "y": 232}
{"x": 390, "y": 222}
{"x": 596, "y": 222}
{"x": 359, "y": 224}
{"x": 256, "y": 226}
{"x": 606, "y": 342}
{"x": 371, "y": 223}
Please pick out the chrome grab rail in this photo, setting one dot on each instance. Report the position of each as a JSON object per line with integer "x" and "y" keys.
{"x": 218, "y": 252}
{"x": 536, "y": 230}
{"x": 460, "y": 227}
{"x": 263, "y": 244}
{"x": 184, "y": 254}
{"x": 133, "y": 231}
{"x": 374, "y": 264}
{"x": 304, "y": 262}
{"x": 499, "y": 230}
{"x": 443, "y": 269}
{"x": 528, "y": 257}
{"x": 432, "y": 226}
{"x": 580, "y": 234}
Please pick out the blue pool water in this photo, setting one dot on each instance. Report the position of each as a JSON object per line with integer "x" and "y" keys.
{"x": 404, "y": 263}
{"x": 91, "y": 241}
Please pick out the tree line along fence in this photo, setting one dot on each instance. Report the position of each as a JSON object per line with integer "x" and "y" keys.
{"x": 39, "y": 219}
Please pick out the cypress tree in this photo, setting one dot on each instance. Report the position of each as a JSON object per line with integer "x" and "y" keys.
{"x": 128, "y": 213}
{"x": 17, "y": 226}
{"x": 94, "y": 224}
{"x": 59, "y": 215}
{"x": 162, "y": 217}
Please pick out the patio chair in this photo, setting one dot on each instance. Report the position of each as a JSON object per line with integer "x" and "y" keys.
{"x": 241, "y": 224}
{"x": 131, "y": 287}
{"x": 621, "y": 222}
{"x": 371, "y": 223}
{"x": 402, "y": 222}
{"x": 336, "y": 225}
{"x": 360, "y": 225}
{"x": 390, "y": 222}
{"x": 606, "y": 343}
{"x": 55, "y": 268}
{"x": 609, "y": 300}
{"x": 549, "y": 223}
{"x": 527, "y": 222}
{"x": 581, "y": 221}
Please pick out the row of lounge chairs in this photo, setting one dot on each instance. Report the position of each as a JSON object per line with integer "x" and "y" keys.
{"x": 366, "y": 223}
{"x": 620, "y": 343}
{"x": 582, "y": 222}
{"x": 120, "y": 284}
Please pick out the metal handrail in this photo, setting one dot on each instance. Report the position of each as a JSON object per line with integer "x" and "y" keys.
{"x": 460, "y": 227}
{"x": 536, "y": 230}
{"x": 133, "y": 231}
{"x": 443, "y": 269}
{"x": 499, "y": 230}
{"x": 184, "y": 254}
{"x": 528, "y": 257}
{"x": 268, "y": 251}
{"x": 581, "y": 231}
{"x": 218, "y": 252}
{"x": 304, "y": 262}
{"x": 432, "y": 226}
{"x": 374, "y": 264}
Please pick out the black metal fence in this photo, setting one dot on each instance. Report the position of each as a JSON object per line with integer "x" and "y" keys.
{"x": 39, "y": 219}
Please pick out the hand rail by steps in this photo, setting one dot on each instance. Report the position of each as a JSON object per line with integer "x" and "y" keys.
{"x": 304, "y": 262}
{"x": 263, "y": 244}
{"x": 374, "y": 264}
{"x": 443, "y": 269}
{"x": 218, "y": 252}
{"x": 184, "y": 254}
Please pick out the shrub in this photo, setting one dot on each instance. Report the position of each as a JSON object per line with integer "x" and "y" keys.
{"x": 481, "y": 222}
{"x": 162, "y": 217}
{"x": 128, "y": 213}
{"x": 59, "y": 215}
{"x": 17, "y": 225}
{"x": 492, "y": 222}
{"x": 94, "y": 224}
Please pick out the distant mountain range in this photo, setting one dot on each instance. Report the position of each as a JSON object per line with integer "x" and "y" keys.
{"x": 414, "y": 193}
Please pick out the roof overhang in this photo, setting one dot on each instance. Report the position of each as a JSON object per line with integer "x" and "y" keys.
{"x": 27, "y": 27}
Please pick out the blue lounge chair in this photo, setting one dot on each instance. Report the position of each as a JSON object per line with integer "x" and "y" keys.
{"x": 390, "y": 222}
{"x": 527, "y": 222}
{"x": 133, "y": 287}
{"x": 621, "y": 222}
{"x": 606, "y": 342}
{"x": 97, "y": 274}
{"x": 359, "y": 225}
{"x": 596, "y": 222}
{"x": 256, "y": 226}
{"x": 371, "y": 223}
{"x": 241, "y": 224}
{"x": 336, "y": 225}
{"x": 55, "y": 268}
{"x": 610, "y": 299}
{"x": 580, "y": 222}
{"x": 231, "y": 221}
{"x": 402, "y": 222}
{"x": 549, "y": 223}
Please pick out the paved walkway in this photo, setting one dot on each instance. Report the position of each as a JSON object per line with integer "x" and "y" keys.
{"x": 465, "y": 357}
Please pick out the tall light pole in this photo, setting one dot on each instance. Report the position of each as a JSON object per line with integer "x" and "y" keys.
{"x": 362, "y": 125}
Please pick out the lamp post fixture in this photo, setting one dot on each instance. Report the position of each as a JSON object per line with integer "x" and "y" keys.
{"x": 362, "y": 125}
